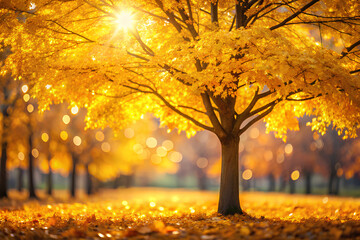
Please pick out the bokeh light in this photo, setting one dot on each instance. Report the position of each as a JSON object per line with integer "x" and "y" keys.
{"x": 77, "y": 140}
{"x": 175, "y": 157}
{"x": 161, "y": 151}
{"x": 99, "y": 136}
{"x": 168, "y": 144}
{"x": 151, "y": 142}
{"x": 288, "y": 148}
{"x": 21, "y": 156}
{"x": 35, "y": 152}
{"x": 105, "y": 147}
{"x": 129, "y": 133}
{"x": 66, "y": 119}
{"x": 202, "y": 162}
{"x": 64, "y": 135}
{"x": 24, "y": 88}
{"x": 26, "y": 97}
{"x": 247, "y": 174}
{"x": 45, "y": 137}
{"x": 30, "y": 108}
{"x": 138, "y": 148}
{"x": 295, "y": 175}
{"x": 74, "y": 110}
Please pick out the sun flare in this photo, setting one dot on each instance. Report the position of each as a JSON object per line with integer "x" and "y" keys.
{"x": 124, "y": 20}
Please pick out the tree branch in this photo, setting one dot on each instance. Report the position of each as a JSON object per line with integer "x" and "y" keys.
{"x": 348, "y": 49}
{"x": 294, "y": 15}
{"x": 243, "y": 115}
{"x": 197, "y": 123}
{"x": 211, "y": 114}
{"x": 257, "y": 118}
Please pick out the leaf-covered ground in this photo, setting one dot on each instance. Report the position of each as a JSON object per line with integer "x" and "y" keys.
{"x": 179, "y": 214}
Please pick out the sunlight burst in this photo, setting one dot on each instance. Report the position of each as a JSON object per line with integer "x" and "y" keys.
{"x": 124, "y": 20}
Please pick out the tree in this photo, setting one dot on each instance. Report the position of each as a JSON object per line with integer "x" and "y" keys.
{"x": 214, "y": 65}
{"x": 11, "y": 117}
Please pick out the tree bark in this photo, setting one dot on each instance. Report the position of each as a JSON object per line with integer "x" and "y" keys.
{"x": 308, "y": 176}
{"x": 116, "y": 182}
{"x": 331, "y": 184}
{"x": 129, "y": 180}
{"x": 3, "y": 172}
{"x": 20, "y": 179}
{"x": 32, "y": 193}
{"x": 73, "y": 176}
{"x": 336, "y": 185}
{"x": 49, "y": 179}
{"x": 292, "y": 184}
{"x": 4, "y": 143}
{"x": 202, "y": 179}
{"x": 282, "y": 184}
{"x": 271, "y": 179}
{"x": 89, "y": 184}
{"x": 229, "y": 203}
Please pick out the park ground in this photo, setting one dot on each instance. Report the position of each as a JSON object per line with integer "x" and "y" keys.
{"x": 153, "y": 213}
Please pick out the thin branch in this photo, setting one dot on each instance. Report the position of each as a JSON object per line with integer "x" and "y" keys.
{"x": 355, "y": 71}
{"x": 190, "y": 12}
{"x": 262, "y": 108}
{"x": 72, "y": 32}
{"x": 232, "y": 23}
{"x": 241, "y": 117}
{"x": 151, "y": 14}
{"x": 348, "y": 49}
{"x": 294, "y": 15}
{"x": 146, "y": 48}
{"x": 137, "y": 56}
{"x": 257, "y": 118}
{"x": 197, "y": 123}
{"x": 167, "y": 103}
{"x": 191, "y": 108}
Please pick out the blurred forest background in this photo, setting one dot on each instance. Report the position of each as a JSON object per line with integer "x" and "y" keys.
{"x": 52, "y": 150}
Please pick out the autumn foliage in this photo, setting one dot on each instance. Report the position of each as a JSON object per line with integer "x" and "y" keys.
{"x": 180, "y": 214}
{"x": 214, "y": 65}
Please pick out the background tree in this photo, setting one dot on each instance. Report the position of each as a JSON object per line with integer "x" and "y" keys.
{"x": 12, "y": 121}
{"x": 219, "y": 66}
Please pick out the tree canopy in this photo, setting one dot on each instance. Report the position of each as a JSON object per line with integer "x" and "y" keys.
{"x": 180, "y": 60}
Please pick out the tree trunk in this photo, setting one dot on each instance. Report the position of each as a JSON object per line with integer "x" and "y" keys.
{"x": 73, "y": 176}
{"x": 32, "y": 193}
{"x": 332, "y": 175}
{"x": 202, "y": 179}
{"x": 271, "y": 180}
{"x": 129, "y": 180}
{"x": 308, "y": 176}
{"x": 229, "y": 182}
{"x": 49, "y": 179}
{"x": 20, "y": 179}
{"x": 245, "y": 184}
{"x": 4, "y": 143}
{"x": 292, "y": 184}
{"x": 116, "y": 182}
{"x": 3, "y": 172}
{"x": 89, "y": 187}
{"x": 336, "y": 185}
{"x": 282, "y": 184}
